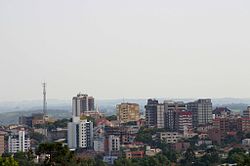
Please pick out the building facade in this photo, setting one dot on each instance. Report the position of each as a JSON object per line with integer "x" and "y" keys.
{"x": 169, "y": 137}
{"x": 201, "y": 112}
{"x": 82, "y": 103}
{"x": 184, "y": 120}
{"x": 99, "y": 144}
{"x": 127, "y": 112}
{"x": 151, "y": 113}
{"x": 246, "y": 113}
{"x": 18, "y": 142}
{"x": 113, "y": 144}
{"x": 171, "y": 109}
{"x": 2, "y": 143}
{"x": 160, "y": 116}
{"x": 80, "y": 134}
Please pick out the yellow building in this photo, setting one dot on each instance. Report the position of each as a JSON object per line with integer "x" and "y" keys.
{"x": 127, "y": 112}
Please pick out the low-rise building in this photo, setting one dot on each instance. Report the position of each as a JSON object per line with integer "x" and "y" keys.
{"x": 152, "y": 152}
{"x": 110, "y": 159}
{"x": 134, "y": 154}
{"x": 180, "y": 146}
{"x": 169, "y": 137}
{"x": 99, "y": 144}
{"x": 246, "y": 142}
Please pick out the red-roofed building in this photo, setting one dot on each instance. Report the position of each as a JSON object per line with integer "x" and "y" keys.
{"x": 103, "y": 122}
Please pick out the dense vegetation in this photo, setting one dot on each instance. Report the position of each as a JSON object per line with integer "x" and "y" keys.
{"x": 8, "y": 161}
{"x": 158, "y": 160}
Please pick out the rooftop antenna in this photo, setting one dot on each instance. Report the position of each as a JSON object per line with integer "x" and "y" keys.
{"x": 44, "y": 99}
{"x": 45, "y": 114}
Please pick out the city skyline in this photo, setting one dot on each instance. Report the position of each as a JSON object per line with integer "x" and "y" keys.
{"x": 124, "y": 49}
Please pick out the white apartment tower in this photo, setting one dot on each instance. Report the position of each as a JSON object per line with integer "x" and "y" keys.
{"x": 80, "y": 134}
{"x": 18, "y": 142}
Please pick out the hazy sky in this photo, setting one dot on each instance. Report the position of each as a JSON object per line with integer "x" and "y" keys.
{"x": 124, "y": 48}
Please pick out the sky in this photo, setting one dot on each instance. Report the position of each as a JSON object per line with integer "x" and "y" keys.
{"x": 124, "y": 49}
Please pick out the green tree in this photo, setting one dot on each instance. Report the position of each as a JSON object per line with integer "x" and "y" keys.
{"x": 238, "y": 156}
{"x": 25, "y": 158}
{"x": 189, "y": 158}
{"x": 58, "y": 154}
{"x": 211, "y": 157}
{"x": 8, "y": 161}
{"x": 123, "y": 162}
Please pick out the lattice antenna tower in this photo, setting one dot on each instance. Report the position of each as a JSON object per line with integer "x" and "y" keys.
{"x": 44, "y": 99}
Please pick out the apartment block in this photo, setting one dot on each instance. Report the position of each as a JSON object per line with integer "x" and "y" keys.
{"x": 127, "y": 112}
{"x": 80, "y": 134}
{"x": 18, "y": 142}
{"x": 201, "y": 111}
{"x": 151, "y": 113}
{"x": 169, "y": 137}
{"x": 82, "y": 103}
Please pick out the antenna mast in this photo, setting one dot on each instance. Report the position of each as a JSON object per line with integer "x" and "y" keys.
{"x": 44, "y": 99}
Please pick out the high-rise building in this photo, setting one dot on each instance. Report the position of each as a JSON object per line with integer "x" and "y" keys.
{"x": 160, "y": 116}
{"x": 80, "y": 134}
{"x": 127, "y": 112}
{"x": 183, "y": 120}
{"x": 151, "y": 113}
{"x": 246, "y": 113}
{"x": 2, "y": 143}
{"x": 171, "y": 108}
{"x": 82, "y": 103}
{"x": 91, "y": 103}
{"x": 201, "y": 111}
{"x": 18, "y": 142}
{"x": 170, "y": 115}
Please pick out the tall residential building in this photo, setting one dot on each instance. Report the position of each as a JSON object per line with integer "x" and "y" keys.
{"x": 202, "y": 111}
{"x": 82, "y": 103}
{"x": 246, "y": 113}
{"x": 2, "y": 143}
{"x": 184, "y": 120}
{"x": 127, "y": 112}
{"x": 171, "y": 108}
{"x": 18, "y": 142}
{"x": 160, "y": 118}
{"x": 151, "y": 113}
{"x": 91, "y": 103}
{"x": 80, "y": 134}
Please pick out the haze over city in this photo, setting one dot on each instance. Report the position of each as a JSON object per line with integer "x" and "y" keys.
{"x": 124, "y": 49}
